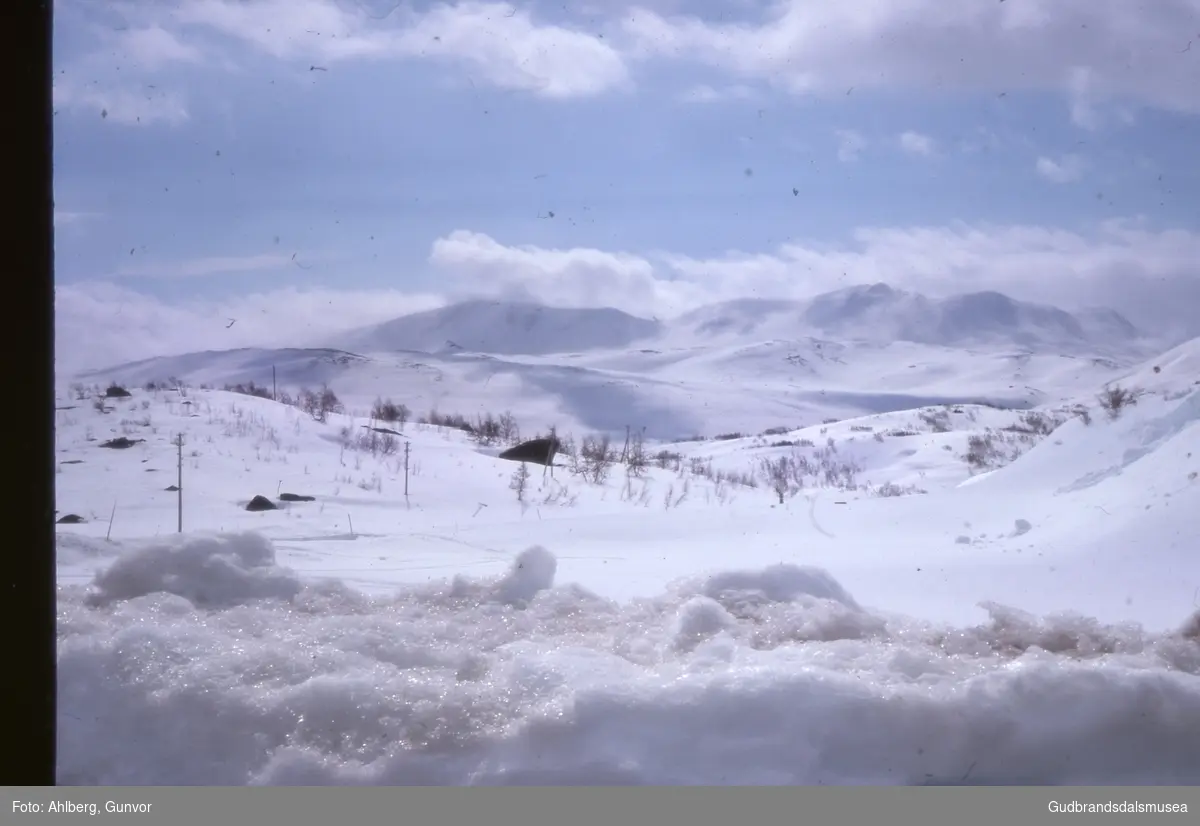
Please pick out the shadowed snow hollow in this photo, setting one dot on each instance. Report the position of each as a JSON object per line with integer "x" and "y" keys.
{"x": 200, "y": 661}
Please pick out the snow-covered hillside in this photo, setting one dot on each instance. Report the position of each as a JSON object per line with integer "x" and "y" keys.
{"x": 880, "y": 313}
{"x": 871, "y": 313}
{"x": 503, "y": 328}
{"x": 674, "y": 392}
{"x": 1006, "y": 596}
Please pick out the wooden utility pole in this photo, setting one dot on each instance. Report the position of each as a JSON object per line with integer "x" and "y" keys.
{"x": 406, "y": 446}
{"x": 179, "y": 480}
{"x": 274, "y": 386}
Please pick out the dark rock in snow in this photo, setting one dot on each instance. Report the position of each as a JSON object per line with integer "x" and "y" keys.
{"x": 296, "y": 497}
{"x": 120, "y": 443}
{"x": 538, "y": 451}
{"x": 261, "y": 503}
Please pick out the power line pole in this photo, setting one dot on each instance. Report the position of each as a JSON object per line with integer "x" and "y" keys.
{"x": 406, "y": 446}
{"x": 179, "y": 480}
{"x": 274, "y": 386}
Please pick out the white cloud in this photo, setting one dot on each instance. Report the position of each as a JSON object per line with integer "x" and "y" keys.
{"x": 1088, "y": 50}
{"x": 199, "y": 267}
{"x": 482, "y": 265}
{"x": 850, "y": 145}
{"x": 100, "y": 324}
{"x": 703, "y": 93}
{"x": 1067, "y": 169}
{"x": 1150, "y": 275}
{"x": 497, "y": 43}
{"x": 152, "y": 47}
{"x": 917, "y": 144}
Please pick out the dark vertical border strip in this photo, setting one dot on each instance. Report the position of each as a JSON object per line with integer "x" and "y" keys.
{"x": 27, "y": 570}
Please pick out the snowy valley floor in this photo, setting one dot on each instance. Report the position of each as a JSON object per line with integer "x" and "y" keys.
{"x": 1039, "y": 623}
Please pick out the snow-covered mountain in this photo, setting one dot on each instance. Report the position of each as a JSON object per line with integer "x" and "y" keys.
{"x": 881, "y": 313}
{"x": 502, "y": 328}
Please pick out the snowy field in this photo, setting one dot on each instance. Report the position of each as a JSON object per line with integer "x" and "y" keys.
{"x": 947, "y": 594}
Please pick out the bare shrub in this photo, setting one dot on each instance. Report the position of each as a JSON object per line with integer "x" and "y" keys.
{"x": 891, "y": 489}
{"x": 319, "y": 403}
{"x": 981, "y": 450}
{"x": 249, "y": 389}
{"x": 596, "y": 458}
{"x": 510, "y": 432}
{"x": 1116, "y": 398}
{"x": 456, "y": 421}
{"x": 386, "y": 410}
{"x": 520, "y": 481}
{"x": 485, "y": 430}
{"x": 668, "y": 459}
{"x": 780, "y": 474}
{"x": 938, "y": 420}
{"x": 636, "y": 458}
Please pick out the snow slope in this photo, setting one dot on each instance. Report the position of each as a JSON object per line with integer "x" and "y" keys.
{"x": 674, "y": 392}
{"x": 502, "y": 328}
{"x": 880, "y": 313}
{"x": 1026, "y": 624}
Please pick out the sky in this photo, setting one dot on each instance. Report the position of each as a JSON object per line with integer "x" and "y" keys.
{"x": 237, "y": 173}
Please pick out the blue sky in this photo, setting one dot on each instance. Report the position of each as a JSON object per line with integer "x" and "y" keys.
{"x": 305, "y": 166}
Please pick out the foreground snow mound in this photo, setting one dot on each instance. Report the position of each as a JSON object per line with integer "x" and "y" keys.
{"x": 209, "y": 571}
{"x": 188, "y": 669}
{"x": 530, "y": 573}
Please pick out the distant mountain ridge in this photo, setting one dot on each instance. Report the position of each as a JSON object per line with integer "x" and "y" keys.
{"x": 875, "y": 312}
{"x": 503, "y": 328}
{"x": 878, "y": 312}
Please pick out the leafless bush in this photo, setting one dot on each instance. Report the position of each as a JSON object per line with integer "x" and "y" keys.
{"x": 776, "y": 431}
{"x": 520, "y": 481}
{"x": 510, "y": 431}
{"x": 485, "y": 430}
{"x": 938, "y": 420}
{"x": 1116, "y": 398}
{"x": 452, "y": 420}
{"x": 861, "y": 428}
{"x": 890, "y": 489}
{"x": 668, "y": 459}
{"x": 596, "y": 458}
{"x": 249, "y": 389}
{"x": 386, "y": 410}
{"x": 981, "y": 450}
{"x": 780, "y": 474}
{"x": 636, "y": 458}
{"x": 319, "y": 403}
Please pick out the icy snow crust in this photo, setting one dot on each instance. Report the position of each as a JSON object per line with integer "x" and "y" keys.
{"x": 201, "y": 661}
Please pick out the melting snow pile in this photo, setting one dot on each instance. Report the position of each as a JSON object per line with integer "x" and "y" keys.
{"x": 201, "y": 661}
